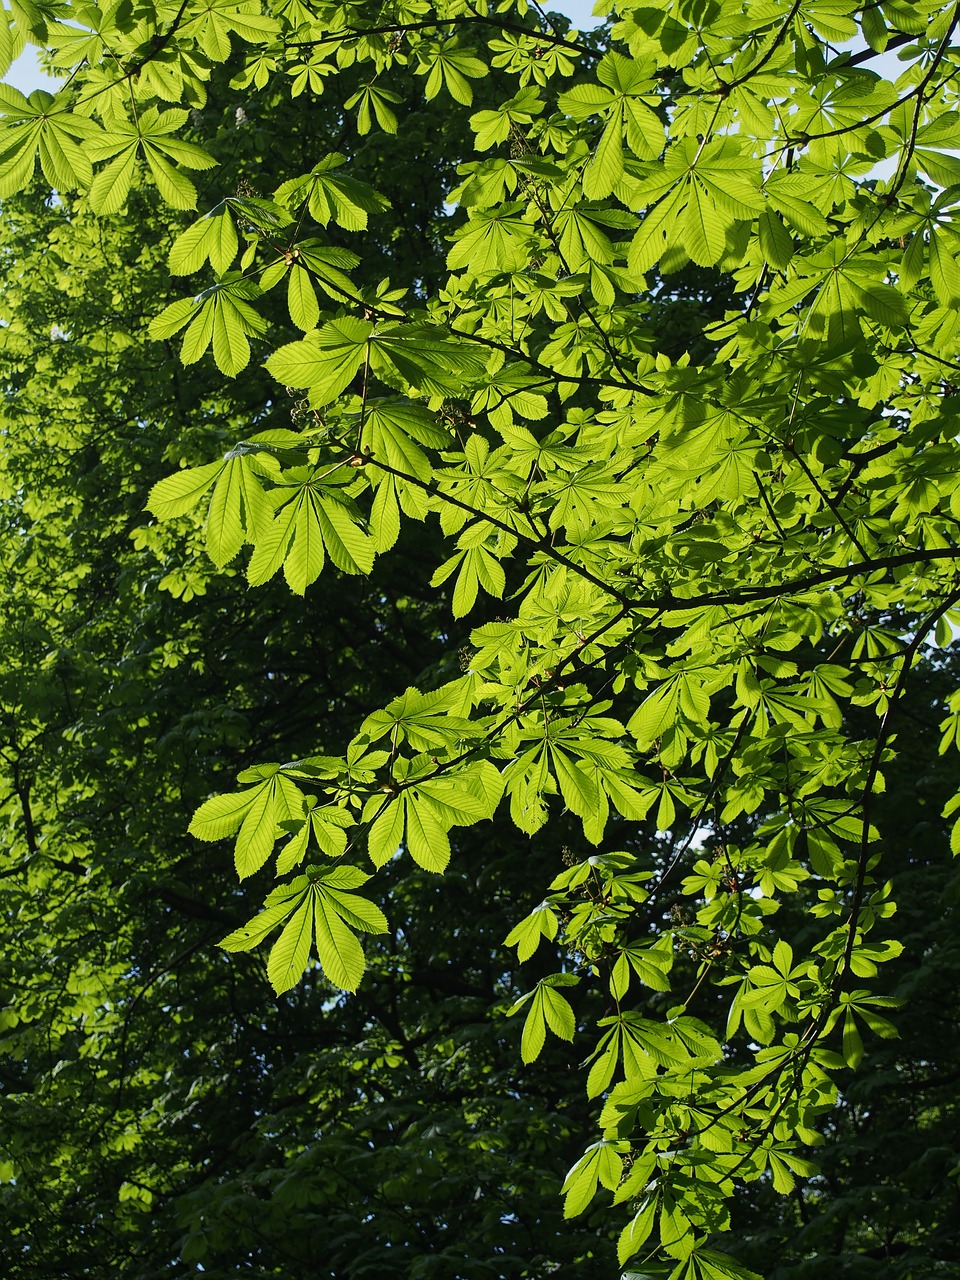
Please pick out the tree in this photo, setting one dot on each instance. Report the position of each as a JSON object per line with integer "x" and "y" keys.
{"x": 726, "y": 553}
{"x": 161, "y": 1108}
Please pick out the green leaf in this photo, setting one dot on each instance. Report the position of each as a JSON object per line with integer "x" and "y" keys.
{"x": 280, "y": 904}
{"x": 386, "y": 833}
{"x": 231, "y": 350}
{"x": 527, "y": 935}
{"x": 326, "y": 361}
{"x": 257, "y": 813}
{"x": 426, "y": 839}
{"x": 655, "y": 714}
{"x": 213, "y": 239}
{"x": 340, "y": 953}
{"x": 637, "y": 1231}
{"x": 852, "y": 1044}
{"x": 944, "y": 272}
{"x": 220, "y": 816}
{"x": 301, "y": 300}
{"x": 177, "y": 494}
{"x": 359, "y": 913}
{"x": 349, "y": 547}
{"x": 719, "y": 1266}
{"x": 776, "y": 244}
{"x": 111, "y": 186}
{"x": 290, "y": 953}
{"x": 557, "y": 1013}
{"x": 333, "y": 197}
{"x": 173, "y": 318}
{"x": 174, "y": 187}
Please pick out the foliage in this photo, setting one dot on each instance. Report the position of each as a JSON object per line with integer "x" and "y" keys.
{"x": 160, "y": 1109}
{"x": 885, "y": 1201}
{"x": 725, "y": 561}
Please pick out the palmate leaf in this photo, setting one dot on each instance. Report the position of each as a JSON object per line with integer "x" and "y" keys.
{"x": 221, "y": 316}
{"x": 394, "y": 430}
{"x": 421, "y": 816}
{"x": 316, "y": 521}
{"x": 425, "y": 721}
{"x": 214, "y": 239}
{"x": 220, "y": 18}
{"x": 494, "y": 240}
{"x": 720, "y": 1266}
{"x": 374, "y": 103}
{"x": 546, "y": 1008}
{"x": 493, "y": 127}
{"x": 40, "y": 126}
{"x": 528, "y": 934}
{"x": 421, "y": 357}
{"x": 224, "y": 319}
{"x": 477, "y": 567}
{"x": 257, "y": 812}
{"x": 149, "y": 136}
{"x": 326, "y": 826}
{"x": 451, "y": 67}
{"x": 326, "y": 361}
{"x": 601, "y": 1164}
{"x": 386, "y": 439}
{"x": 306, "y": 264}
{"x": 333, "y": 197}
{"x": 274, "y": 802}
{"x": 626, "y": 116}
{"x": 313, "y": 906}
{"x": 239, "y": 509}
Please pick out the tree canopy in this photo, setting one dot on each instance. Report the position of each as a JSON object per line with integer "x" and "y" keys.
{"x": 497, "y": 486}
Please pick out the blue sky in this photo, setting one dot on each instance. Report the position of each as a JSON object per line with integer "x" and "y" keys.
{"x": 25, "y": 74}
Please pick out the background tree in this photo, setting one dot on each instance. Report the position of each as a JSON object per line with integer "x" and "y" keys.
{"x": 727, "y": 545}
